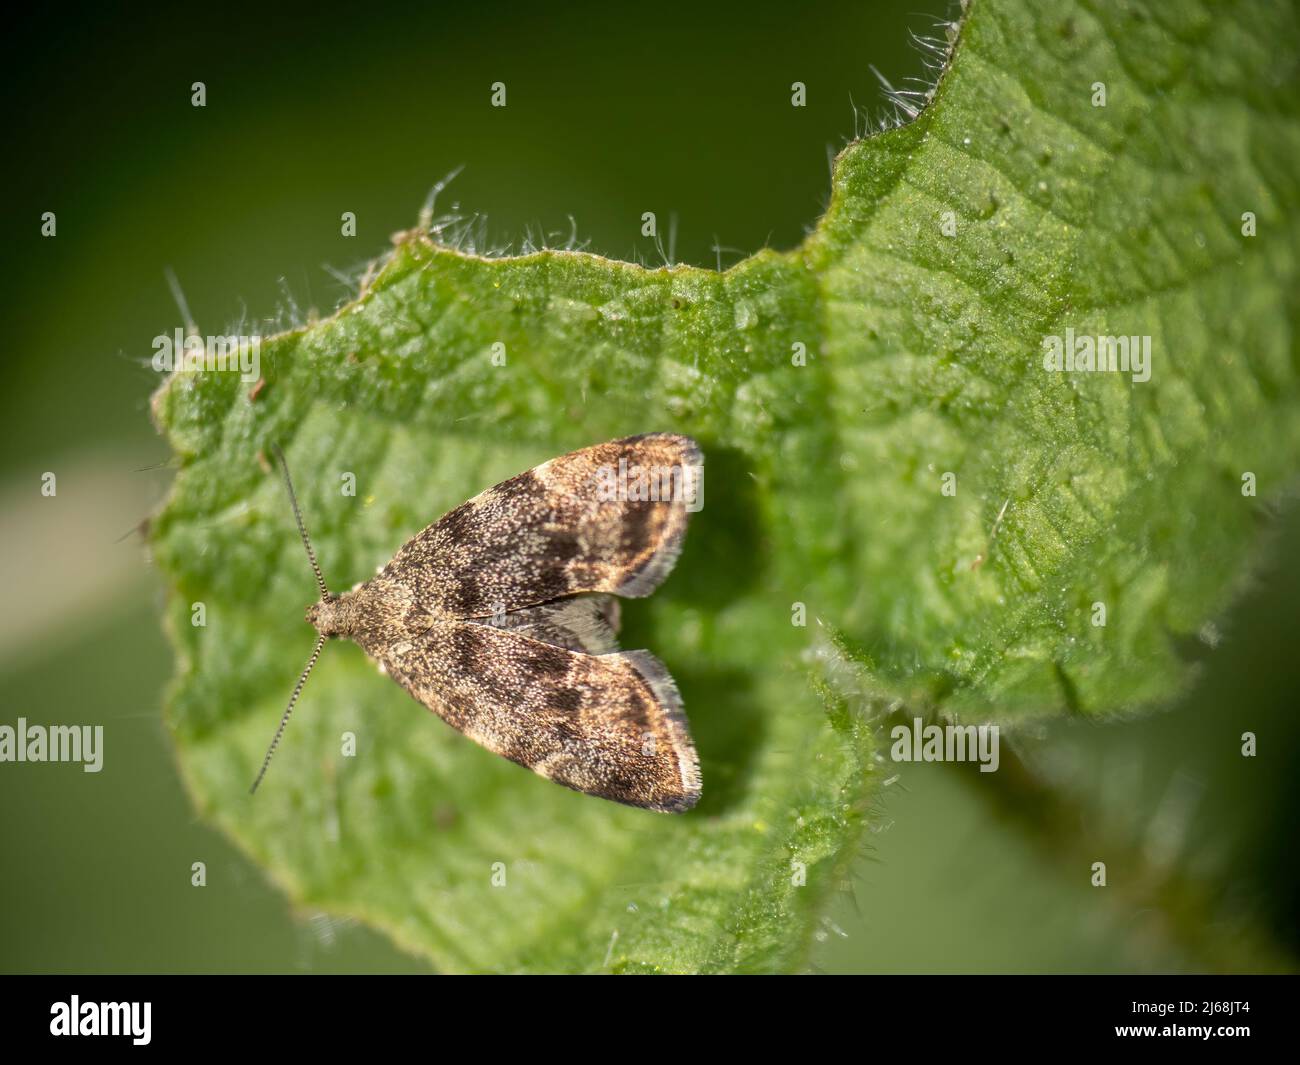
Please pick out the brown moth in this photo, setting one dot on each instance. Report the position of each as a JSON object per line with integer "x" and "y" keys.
{"x": 501, "y": 618}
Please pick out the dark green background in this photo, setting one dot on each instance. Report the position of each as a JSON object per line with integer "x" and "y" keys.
{"x": 678, "y": 109}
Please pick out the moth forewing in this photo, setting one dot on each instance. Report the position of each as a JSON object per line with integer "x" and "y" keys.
{"x": 609, "y": 725}
{"x": 594, "y": 520}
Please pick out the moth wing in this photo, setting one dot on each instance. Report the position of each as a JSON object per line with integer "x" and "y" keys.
{"x": 609, "y": 725}
{"x": 554, "y": 530}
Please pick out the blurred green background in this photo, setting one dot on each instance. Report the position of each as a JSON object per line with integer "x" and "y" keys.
{"x": 680, "y": 110}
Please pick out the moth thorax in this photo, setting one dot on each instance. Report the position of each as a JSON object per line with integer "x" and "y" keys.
{"x": 329, "y": 616}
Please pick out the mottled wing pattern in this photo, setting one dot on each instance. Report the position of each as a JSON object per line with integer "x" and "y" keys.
{"x": 609, "y": 725}
{"x": 553, "y": 531}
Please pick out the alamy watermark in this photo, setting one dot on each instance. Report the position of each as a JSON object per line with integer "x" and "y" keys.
{"x": 130, "y": 1019}
{"x": 194, "y": 352}
{"x": 1098, "y": 354}
{"x": 634, "y": 483}
{"x": 919, "y": 742}
{"x": 53, "y": 743}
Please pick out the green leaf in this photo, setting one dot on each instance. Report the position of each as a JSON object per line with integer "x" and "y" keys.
{"x": 925, "y": 356}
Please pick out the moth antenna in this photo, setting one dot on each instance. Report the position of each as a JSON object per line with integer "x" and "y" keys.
{"x": 297, "y": 691}
{"x": 302, "y": 529}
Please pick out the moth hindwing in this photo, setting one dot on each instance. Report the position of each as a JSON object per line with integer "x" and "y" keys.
{"x": 501, "y": 617}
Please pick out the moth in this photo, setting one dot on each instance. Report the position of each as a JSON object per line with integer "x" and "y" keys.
{"x": 502, "y": 617}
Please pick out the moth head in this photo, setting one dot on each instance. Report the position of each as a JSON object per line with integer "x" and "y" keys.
{"x": 326, "y": 616}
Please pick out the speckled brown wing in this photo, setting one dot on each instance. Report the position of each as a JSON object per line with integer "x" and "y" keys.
{"x": 554, "y": 531}
{"x": 609, "y": 725}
